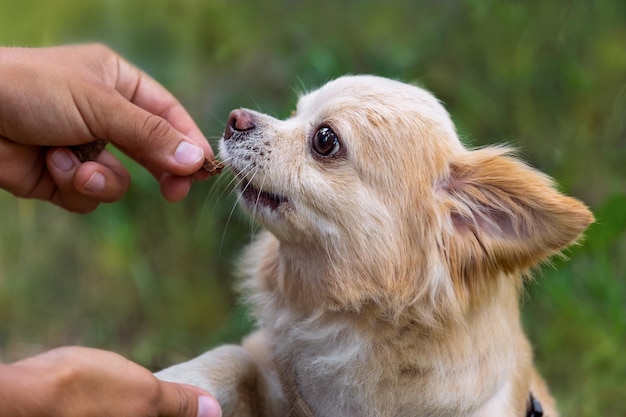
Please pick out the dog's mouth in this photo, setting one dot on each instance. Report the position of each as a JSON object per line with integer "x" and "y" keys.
{"x": 255, "y": 197}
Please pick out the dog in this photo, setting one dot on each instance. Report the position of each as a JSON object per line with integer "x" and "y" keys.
{"x": 387, "y": 279}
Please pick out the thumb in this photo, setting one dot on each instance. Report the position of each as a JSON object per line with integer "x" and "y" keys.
{"x": 152, "y": 140}
{"x": 179, "y": 400}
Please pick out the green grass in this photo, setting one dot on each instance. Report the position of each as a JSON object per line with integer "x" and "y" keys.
{"x": 152, "y": 280}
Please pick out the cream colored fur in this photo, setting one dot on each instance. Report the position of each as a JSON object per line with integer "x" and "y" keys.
{"x": 387, "y": 282}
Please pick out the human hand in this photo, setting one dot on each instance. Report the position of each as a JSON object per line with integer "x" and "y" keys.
{"x": 51, "y": 98}
{"x": 84, "y": 382}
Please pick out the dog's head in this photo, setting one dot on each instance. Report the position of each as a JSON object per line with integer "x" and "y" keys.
{"x": 368, "y": 187}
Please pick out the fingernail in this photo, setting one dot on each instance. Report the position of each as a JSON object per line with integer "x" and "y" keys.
{"x": 188, "y": 154}
{"x": 208, "y": 407}
{"x": 62, "y": 160}
{"x": 96, "y": 183}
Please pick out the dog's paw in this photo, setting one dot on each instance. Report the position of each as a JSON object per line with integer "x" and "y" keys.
{"x": 227, "y": 373}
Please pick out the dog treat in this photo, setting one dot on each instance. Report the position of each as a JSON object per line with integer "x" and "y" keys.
{"x": 90, "y": 151}
{"x": 212, "y": 166}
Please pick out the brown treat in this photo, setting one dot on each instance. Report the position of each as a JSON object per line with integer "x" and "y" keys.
{"x": 212, "y": 167}
{"x": 88, "y": 151}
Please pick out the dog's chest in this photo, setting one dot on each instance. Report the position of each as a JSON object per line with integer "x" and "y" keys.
{"x": 339, "y": 370}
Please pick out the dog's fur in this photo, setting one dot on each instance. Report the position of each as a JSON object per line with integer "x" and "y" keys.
{"x": 387, "y": 282}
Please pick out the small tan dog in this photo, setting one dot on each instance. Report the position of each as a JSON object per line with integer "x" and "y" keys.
{"x": 387, "y": 282}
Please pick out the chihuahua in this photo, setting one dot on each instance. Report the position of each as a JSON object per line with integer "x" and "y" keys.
{"x": 387, "y": 279}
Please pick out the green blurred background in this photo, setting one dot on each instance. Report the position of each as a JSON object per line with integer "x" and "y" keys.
{"x": 152, "y": 280}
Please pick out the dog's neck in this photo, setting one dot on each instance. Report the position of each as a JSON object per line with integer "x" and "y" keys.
{"x": 402, "y": 361}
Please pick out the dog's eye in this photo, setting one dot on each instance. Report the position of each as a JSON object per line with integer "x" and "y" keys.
{"x": 325, "y": 142}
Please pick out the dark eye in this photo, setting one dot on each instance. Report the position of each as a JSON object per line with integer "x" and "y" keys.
{"x": 325, "y": 142}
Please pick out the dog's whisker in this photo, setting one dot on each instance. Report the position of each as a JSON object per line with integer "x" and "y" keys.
{"x": 229, "y": 218}
{"x": 217, "y": 189}
{"x": 247, "y": 174}
{"x": 254, "y": 226}
{"x": 234, "y": 182}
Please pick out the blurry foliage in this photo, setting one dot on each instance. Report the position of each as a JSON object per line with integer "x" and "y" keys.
{"x": 153, "y": 280}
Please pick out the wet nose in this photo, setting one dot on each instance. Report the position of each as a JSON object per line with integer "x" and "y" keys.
{"x": 239, "y": 120}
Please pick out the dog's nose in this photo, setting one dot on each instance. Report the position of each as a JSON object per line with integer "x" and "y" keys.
{"x": 239, "y": 120}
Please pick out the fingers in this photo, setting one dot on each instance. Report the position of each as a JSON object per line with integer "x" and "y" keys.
{"x": 146, "y": 93}
{"x": 178, "y": 400}
{"x": 61, "y": 178}
{"x": 151, "y": 125}
{"x": 22, "y": 167}
{"x": 78, "y": 381}
{"x": 81, "y": 187}
{"x": 93, "y": 93}
{"x": 152, "y": 141}
{"x": 174, "y": 188}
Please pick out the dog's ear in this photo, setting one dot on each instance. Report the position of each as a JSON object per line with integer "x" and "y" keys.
{"x": 504, "y": 215}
